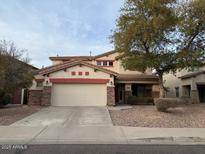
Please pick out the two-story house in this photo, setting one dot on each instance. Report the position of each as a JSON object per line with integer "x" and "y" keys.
{"x": 90, "y": 81}
{"x": 187, "y": 83}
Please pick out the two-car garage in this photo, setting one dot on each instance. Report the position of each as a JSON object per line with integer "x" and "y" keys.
{"x": 74, "y": 84}
{"x": 79, "y": 95}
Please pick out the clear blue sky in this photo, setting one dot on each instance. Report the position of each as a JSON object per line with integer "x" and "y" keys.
{"x": 64, "y": 27}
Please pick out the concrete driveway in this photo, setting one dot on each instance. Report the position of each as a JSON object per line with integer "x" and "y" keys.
{"x": 65, "y": 125}
{"x": 68, "y": 116}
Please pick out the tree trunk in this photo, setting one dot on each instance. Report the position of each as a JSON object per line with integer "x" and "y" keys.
{"x": 161, "y": 86}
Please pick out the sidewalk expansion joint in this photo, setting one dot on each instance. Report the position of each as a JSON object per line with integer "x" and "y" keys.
{"x": 37, "y": 134}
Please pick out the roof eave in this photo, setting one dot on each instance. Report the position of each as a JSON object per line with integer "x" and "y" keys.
{"x": 191, "y": 75}
{"x": 104, "y": 54}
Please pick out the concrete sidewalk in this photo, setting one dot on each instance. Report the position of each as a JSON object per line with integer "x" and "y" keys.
{"x": 99, "y": 135}
{"x": 164, "y": 135}
{"x": 19, "y": 134}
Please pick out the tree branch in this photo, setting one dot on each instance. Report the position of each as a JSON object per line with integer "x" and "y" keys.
{"x": 193, "y": 37}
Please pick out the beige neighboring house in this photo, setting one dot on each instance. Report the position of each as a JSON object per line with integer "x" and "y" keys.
{"x": 90, "y": 81}
{"x": 187, "y": 84}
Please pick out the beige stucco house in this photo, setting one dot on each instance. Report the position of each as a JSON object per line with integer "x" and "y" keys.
{"x": 187, "y": 83}
{"x": 90, "y": 81}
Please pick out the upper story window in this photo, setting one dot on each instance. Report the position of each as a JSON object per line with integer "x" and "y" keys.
{"x": 106, "y": 63}
{"x": 99, "y": 63}
{"x": 110, "y": 63}
{"x": 39, "y": 84}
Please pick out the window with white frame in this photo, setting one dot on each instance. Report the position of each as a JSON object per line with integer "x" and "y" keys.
{"x": 105, "y": 63}
{"x": 99, "y": 63}
{"x": 39, "y": 84}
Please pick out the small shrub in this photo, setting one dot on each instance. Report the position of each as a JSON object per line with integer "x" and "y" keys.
{"x": 133, "y": 100}
{"x": 163, "y": 104}
{"x": 4, "y": 99}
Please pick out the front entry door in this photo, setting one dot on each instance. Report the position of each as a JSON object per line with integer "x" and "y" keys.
{"x": 121, "y": 94}
{"x": 201, "y": 90}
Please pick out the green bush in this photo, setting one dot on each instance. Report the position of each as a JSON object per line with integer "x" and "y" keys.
{"x": 163, "y": 104}
{"x": 4, "y": 98}
{"x": 134, "y": 100}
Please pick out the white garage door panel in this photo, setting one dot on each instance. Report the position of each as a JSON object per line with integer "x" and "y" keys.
{"x": 79, "y": 95}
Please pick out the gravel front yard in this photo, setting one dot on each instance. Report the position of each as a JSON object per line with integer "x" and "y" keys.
{"x": 13, "y": 113}
{"x": 190, "y": 116}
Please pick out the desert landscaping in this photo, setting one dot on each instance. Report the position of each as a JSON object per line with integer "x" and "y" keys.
{"x": 13, "y": 113}
{"x": 189, "y": 116}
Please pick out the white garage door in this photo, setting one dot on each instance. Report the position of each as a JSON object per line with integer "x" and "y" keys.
{"x": 79, "y": 95}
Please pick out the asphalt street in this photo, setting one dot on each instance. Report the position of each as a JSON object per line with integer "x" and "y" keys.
{"x": 102, "y": 149}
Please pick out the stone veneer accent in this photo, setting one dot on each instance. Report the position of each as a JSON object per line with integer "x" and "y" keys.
{"x": 46, "y": 96}
{"x": 34, "y": 97}
{"x": 155, "y": 94}
{"x": 110, "y": 96}
{"x": 195, "y": 96}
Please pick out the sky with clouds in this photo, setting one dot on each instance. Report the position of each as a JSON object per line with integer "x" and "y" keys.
{"x": 64, "y": 27}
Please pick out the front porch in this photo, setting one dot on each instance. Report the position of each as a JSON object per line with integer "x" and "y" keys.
{"x": 136, "y": 89}
{"x": 125, "y": 92}
{"x": 196, "y": 92}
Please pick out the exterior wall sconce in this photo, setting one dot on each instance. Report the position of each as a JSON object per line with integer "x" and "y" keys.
{"x": 47, "y": 83}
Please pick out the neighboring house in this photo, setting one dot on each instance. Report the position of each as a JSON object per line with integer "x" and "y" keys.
{"x": 90, "y": 81}
{"x": 20, "y": 96}
{"x": 187, "y": 84}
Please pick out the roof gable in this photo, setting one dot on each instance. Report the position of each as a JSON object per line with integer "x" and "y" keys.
{"x": 65, "y": 65}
